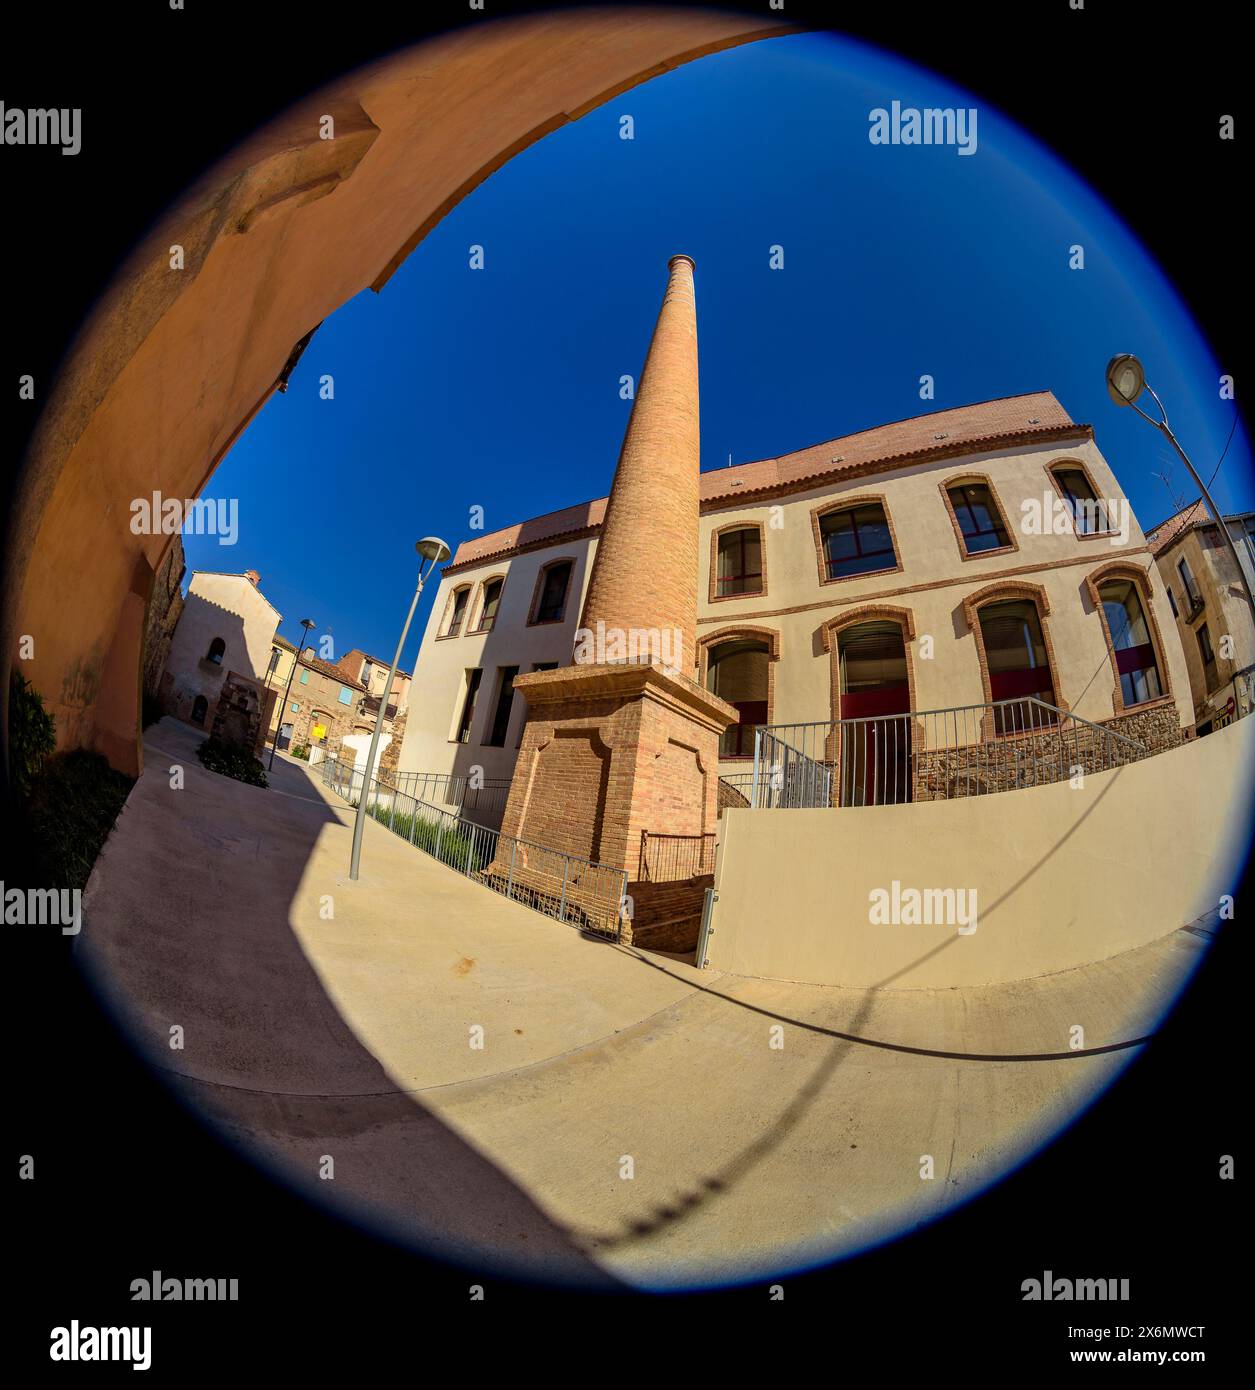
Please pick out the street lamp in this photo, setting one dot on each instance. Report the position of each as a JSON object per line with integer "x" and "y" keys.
{"x": 435, "y": 552}
{"x": 1126, "y": 380}
{"x": 306, "y": 623}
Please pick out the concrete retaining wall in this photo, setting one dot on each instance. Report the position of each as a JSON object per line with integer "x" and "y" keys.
{"x": 1062, "y": 875}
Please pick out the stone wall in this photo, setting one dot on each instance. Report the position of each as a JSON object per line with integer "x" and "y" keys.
{"x": 237, "y": 720}
{"x": 1043, "y": 757}
{"x": 165, "y": 604}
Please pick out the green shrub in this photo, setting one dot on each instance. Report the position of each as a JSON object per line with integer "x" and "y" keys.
{"x": 70, "y": 813}
{"x": 32, "y": 737}
{"x": 425, "y": 834}
{"x": 301, "y": 751}
{"x": 232, "y": 762}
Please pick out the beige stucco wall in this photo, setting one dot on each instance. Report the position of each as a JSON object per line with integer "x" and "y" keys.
{"x": 1063, "y": 876}
{"x": 439, "y": 681}
{"x": 933, "y": 582}
{"x": 218, "y": 605}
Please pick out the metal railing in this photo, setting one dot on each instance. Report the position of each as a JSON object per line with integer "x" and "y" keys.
{"x": 563, "y": 886}
{"x": 931, "y": 755}
{"x": 675, "y": 858}
{"x": 486, "y": 800}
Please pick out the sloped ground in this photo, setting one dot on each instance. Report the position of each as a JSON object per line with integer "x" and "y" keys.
{"x": 484, "y": 1078}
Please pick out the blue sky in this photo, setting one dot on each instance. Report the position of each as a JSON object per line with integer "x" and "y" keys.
{"x": 499, "y": 387}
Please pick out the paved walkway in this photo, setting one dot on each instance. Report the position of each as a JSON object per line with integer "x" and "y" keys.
{"x": 483, "y": 1076}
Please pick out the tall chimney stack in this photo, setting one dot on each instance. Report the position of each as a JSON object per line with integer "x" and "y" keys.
{"x": 645, "y": 570}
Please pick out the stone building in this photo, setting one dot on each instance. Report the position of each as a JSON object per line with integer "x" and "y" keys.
{"x": 332, "y": 708}
{"x": 981, "y": 561}
{"x": 1211, "y": 614}
{"x": 219, "y": 655}
{"x": 165, "y": 606}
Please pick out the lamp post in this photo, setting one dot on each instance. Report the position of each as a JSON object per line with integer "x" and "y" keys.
{"x": 307, "y": 624}
{"x": 1126, "y": 380}
{"x": 435, "y": 552}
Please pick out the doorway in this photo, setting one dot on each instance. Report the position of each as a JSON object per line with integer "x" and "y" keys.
{"x": 875, "y": 709}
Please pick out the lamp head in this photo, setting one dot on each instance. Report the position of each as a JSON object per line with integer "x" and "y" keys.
{"x": 1126, "y": 378}
{"x": 434, "y": 549}
{"x": 308, "y": 623}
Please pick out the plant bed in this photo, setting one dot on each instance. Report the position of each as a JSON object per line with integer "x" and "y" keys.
{"x": 232, "y": 762}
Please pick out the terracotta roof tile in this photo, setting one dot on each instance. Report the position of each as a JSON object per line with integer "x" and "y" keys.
{"x": 1161, "y": 537}
{"x": 979, "y": 425}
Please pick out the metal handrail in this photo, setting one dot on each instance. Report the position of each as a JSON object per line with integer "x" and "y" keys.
{"x": 941, "y": 754}
{"x": 584, "y": 894}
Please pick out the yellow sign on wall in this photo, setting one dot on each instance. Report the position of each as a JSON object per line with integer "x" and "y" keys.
{"x": 319, "y": 731}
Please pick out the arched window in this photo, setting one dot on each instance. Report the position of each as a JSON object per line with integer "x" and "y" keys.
{"x": 855, "y": 539}
{"x": 875, "y": 695}
{"x": 217, "y": 650}
{"x": 738, "y": 562}
{"x": 489, "y": 604}
{"x": 1130, "y": 639}
{"x": 1018, "y": 664}
{"x": 1088, "y": 511}
{"x": 552, "y": 584}
{"x": 457, "y": 611}
{"x": 200, "y": 708}
{"x": 737, "y": 671}
{"x": 978, "y": 519}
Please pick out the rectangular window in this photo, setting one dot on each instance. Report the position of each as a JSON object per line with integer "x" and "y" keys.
{"x": 740, "y": 563}
{"x": 857, "y": 541}
{"x": 1193, "y": 599}
{"x": 473, "y": 679}
{"x": 1204, "y": 645}
{"x": 346, "y": 695}
{"x": 296, "y": 709}
{"x": 505, "y": 701}
{"x": 304, "y": 677}
{"x": 1172, "y": 602}
{"x": 978, "y": 518}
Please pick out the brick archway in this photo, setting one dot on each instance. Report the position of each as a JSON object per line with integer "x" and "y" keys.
{"x": 1126, "y": 569}
{"x": 994, "y": 593}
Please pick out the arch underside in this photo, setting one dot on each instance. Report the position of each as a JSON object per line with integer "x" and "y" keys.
{"x": 174, "y": 363}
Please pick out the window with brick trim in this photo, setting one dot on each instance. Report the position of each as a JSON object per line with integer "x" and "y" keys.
{"x": 490, "y": 603}
{"x": 457, "y": 611}
{"x": 551, "y": 601}
{"x": 739, "y": 563}
{"x": 980, "y": 522}
{"x": 473, "y": 679}
{"x": 1019, "y": 667}
{"x": 738, "y": 672}
{"x": 505, "y": 702}
{"x": 856, "y": 540}
{"x": 1131, "y": 641}
{"x": 1087, "y": 510}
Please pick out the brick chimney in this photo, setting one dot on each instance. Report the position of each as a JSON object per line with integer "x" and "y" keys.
{"x": 624, "y": 740}
{"x": 646, "y": 567}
